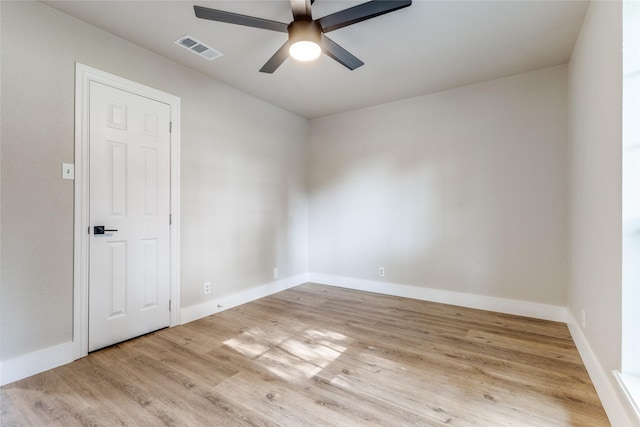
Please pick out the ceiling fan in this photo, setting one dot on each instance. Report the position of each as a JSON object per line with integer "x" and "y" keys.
{"x": 307, "y": 38}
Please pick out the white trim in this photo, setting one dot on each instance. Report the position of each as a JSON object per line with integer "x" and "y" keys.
{"x": 630, "y": 385}
{"x": 42, "y": 360}
{"x": 195, "y": 312}
{"x": 38, "y": 361}
{"x": 601, "y": 380}
{"x": 501, "y": 305}
{"x": 84, "y": 75}
{"x": 175, "y": 213}
{"x": 52, "y": 357}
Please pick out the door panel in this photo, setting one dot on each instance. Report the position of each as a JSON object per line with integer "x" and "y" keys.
{"x": 150, "y": 182}
{"x": 150, "y": 259}
{"x": 129, "y": 265}
{"x": 117, "y": 280}
{"x": 118, "y": 178}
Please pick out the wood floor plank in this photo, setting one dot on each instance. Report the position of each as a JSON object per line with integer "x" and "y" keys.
{"x": 323, "y": 356}
{"x": 183, "y": 360}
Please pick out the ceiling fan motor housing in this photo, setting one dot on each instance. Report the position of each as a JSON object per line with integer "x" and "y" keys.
{"x": 303, "y": 30}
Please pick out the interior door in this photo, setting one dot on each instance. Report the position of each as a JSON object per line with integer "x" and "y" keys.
{"x": 129, "y": 249}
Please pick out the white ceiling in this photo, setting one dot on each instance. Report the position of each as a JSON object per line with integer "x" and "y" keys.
{"x": 425, "y": 48}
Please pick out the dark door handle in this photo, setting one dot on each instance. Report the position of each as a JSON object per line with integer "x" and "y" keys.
{"x": 99, "y": 229}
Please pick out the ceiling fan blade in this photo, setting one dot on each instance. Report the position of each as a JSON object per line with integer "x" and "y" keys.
{"x": 335, "y": 51}
{"x": 236, "y": 18}
{"x": 277, "y": 59}
{"x": 359, "y": 13}
{"x": 301, "y": 10}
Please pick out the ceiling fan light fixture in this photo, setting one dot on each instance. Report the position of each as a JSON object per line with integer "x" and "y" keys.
{"x": 304, "y": 40}
{"x": 305, "y": 50}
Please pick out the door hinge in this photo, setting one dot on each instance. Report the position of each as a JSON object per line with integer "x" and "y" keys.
{"x": 169, "y": 219}
{"x": 169, "y": 305}
{"x": 170, "y": 127}
{"x": 88, "y": 230}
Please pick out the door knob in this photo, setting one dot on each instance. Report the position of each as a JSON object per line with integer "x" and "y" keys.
{"x": 99, "y": 229}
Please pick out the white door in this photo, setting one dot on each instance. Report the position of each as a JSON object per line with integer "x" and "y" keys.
{"x": 129, "y": 175}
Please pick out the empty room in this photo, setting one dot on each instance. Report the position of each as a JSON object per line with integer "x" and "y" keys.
{"x": 320, "y": 213}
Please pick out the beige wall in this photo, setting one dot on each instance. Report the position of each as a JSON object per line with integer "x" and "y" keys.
{"x": 243, "y": 188}
{"x": 463, "y": 190}
{"x": 595, "y": 177}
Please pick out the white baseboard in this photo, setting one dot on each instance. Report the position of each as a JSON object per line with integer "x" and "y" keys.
{"x": 42, "y": 360}
{"x": 603, "y": 382}
{"x": 58, "y": 355}
{"x": 38, "y": 361}
{"x": 630, "y": 386}
{"x": 195, "y": 312}
{"x": 501, "y": 305}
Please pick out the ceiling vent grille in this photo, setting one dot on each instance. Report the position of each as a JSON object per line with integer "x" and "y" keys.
{"x": 199, "y": 48}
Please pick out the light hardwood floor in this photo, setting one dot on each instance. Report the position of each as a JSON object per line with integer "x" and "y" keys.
{"x": 323, "y": 356}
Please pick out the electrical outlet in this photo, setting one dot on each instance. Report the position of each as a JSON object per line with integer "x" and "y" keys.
{"x": 207, "y": 288}
{"x": 275, "y": 273}
{"x": 381, "y": 271}
{"x": 584, "y": 319}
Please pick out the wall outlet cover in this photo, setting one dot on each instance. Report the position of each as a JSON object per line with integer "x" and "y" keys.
{"x": 68, "y": 171}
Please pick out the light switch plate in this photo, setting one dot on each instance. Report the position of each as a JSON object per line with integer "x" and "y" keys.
{"x": 68, "y": 171}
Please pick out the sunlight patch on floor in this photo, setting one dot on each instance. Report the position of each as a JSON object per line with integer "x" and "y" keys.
{"x": 291, "y": 358}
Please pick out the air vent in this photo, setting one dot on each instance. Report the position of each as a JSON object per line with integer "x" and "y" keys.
{"x": 198, "y": 47}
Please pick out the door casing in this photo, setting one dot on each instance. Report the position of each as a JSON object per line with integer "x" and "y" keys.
{"x": 84, "y": 75}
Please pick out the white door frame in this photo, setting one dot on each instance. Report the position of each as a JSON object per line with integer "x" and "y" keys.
{"x": 84, "y": 75}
